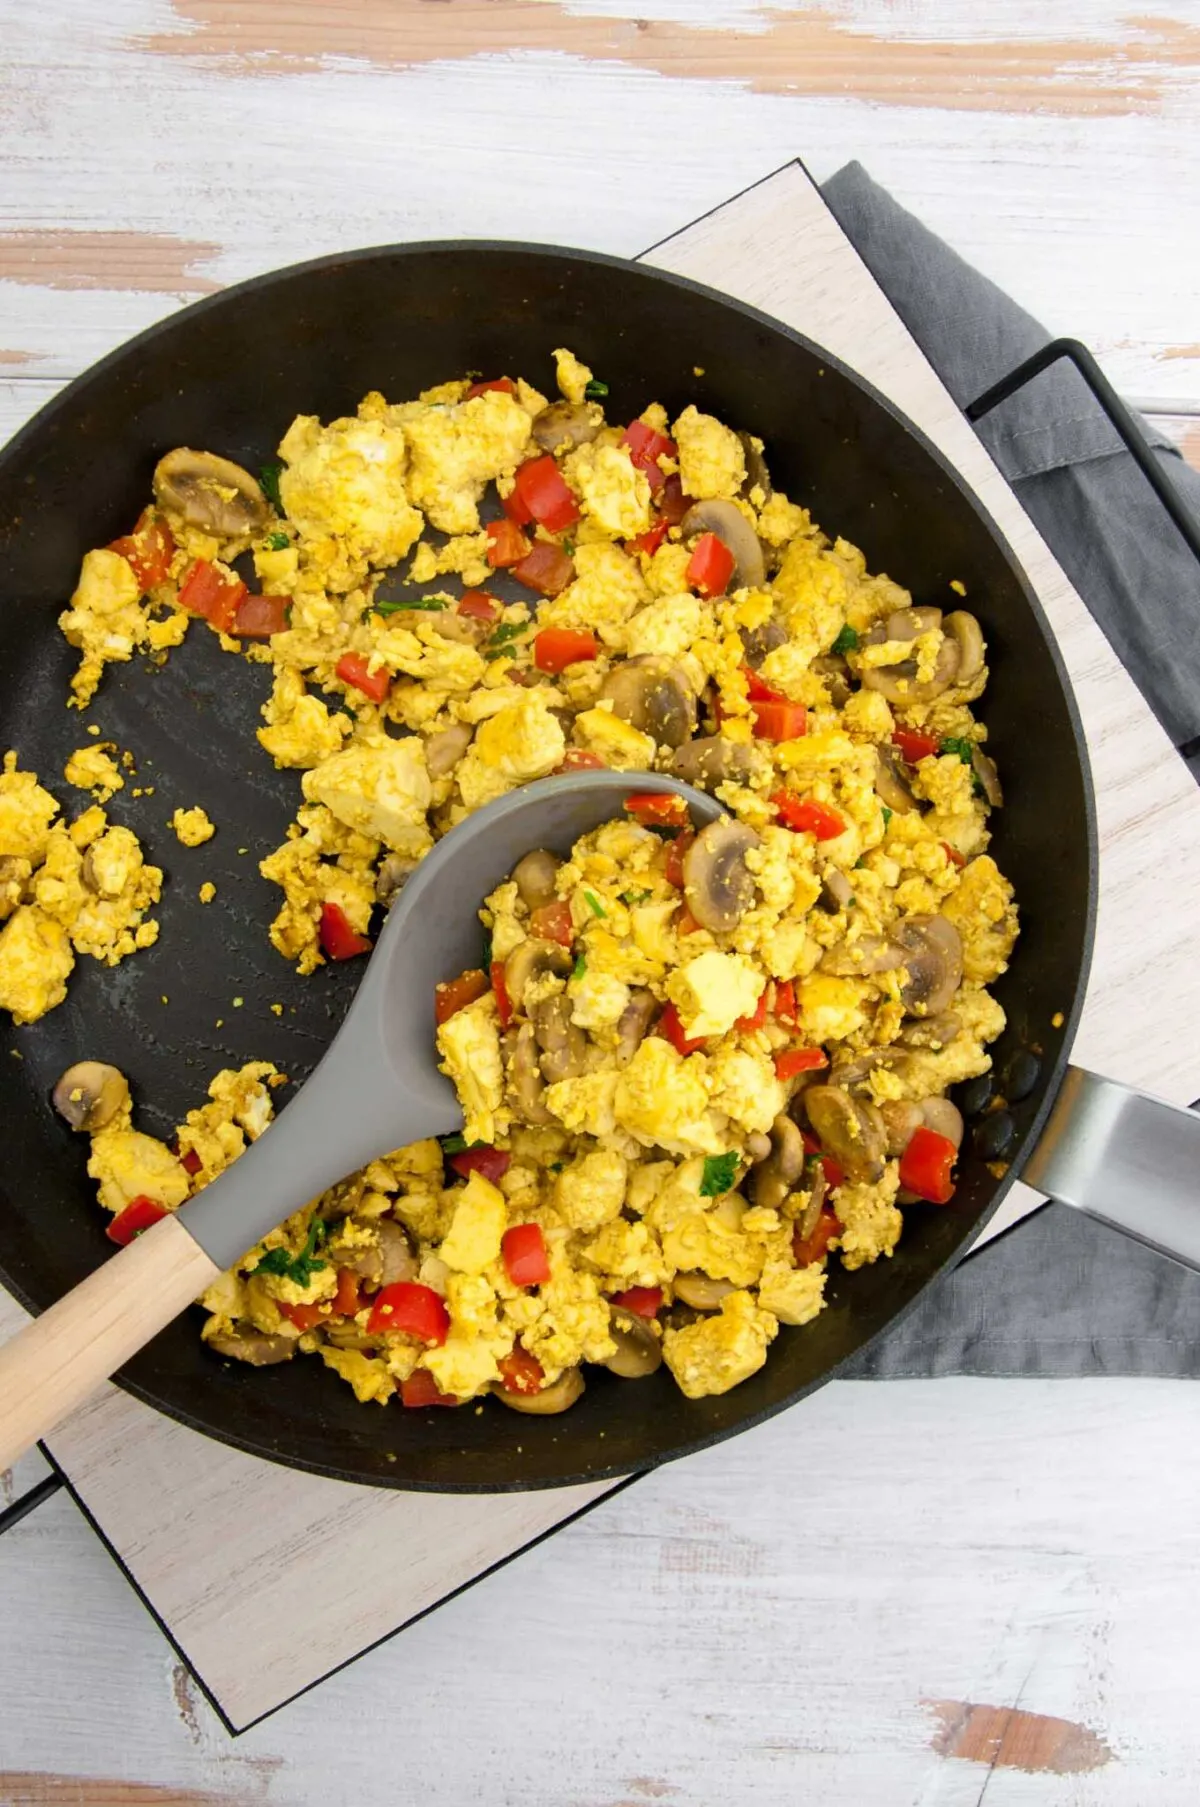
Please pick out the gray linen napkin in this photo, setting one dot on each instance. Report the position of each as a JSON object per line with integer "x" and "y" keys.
{"x": 1059, "y": 1294}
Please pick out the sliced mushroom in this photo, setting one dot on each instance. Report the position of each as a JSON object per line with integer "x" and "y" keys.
{"x": 757, "y": 642}
{"x": 943, "y": 1118}
{"x": 757, "y": 475}
{"x": 899, "y": 683}
{"x": 90, "y": 1094}
{"x": 850, "y": 1129}
{"x": 639, "y": 1351}
{"x": 444, "y": 749}
{"x": 700, "y": 1291}
{"x": 930, "y": 1031}
{"x": 562, "y": 1042}
{"x": 858, "y": 1067}
{"x": 837, "y": 893}
{"x": 257, "y": 1347}
{"x": 734, "y": 531}
{"x": 806, "y": 1223}
{"x": 834, "y": 673}
{"x": 525, "y": 1076}
{"x": 529, "y": 959}
{"x": 775, "y": 1177}
{"x": 393, "y": 874}
{"x": 932, "y": 949}
{"x": 211, "y": 493}
{"x": 866, "y": 954}
{"x": 717, "y": 883}
{"x": 387, "y": 1260}
{"x": 969, "y": 636}
{"x": 534, "y": 878}
{"x": 654, "y": 694}
{"x": 713, "y": 760}
{"x": 343, "y": 1198}
{"x": 467, "y": 630}
{"x": 344, "y": 1333}
{"x": 556, "y": 1398}
{"x": 567, "y": 424}
{"x": 989, "y": 778}
{"x": 893, "y": 780}
{"x": 902, "y": 1119}
{"x": 758, "y": 1146}
{"x": 633, "y": 1023}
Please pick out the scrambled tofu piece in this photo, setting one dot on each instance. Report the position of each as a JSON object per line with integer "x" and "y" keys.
{"x": 983, "y": 912}
{"x": 192, "y": 826}
{"x": 380, "y": 789}
{"x": 711, "y": 459}
{"x": 300, "y": 730}
{"x": 661, "y": 1100}
{"x": 93, "y": 768}
{"x": 36, "y": 960}
{"x": 720, "y": 1351}
{"x": 100, "y": 895}
{"x": 26, "y": 812}
{"x": 128, "y": 1165}
{"x": 572, "y": 376}
{"x": 105, "y": 620}
{"x": 519, "y": 743}
{"x": 590, "y": 1192}
{"x": 469, "y": 1045}
{"x": 613, "y": 492}
{"x": 472, "y": 1242}
{"x": 713, "y": 991}
{"x": 456, "y": 449}
{"x": 347, "y": 481}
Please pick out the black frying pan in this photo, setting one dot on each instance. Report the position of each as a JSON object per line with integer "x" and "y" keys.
{"x": 228, "y": 375}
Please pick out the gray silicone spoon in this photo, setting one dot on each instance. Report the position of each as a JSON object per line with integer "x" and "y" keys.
{"x": 376, "y": 1089}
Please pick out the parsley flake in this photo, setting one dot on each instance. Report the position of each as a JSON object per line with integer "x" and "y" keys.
{"x": 594, "y": 905}
{"x": 954, "y": 743}
{"x": 720, "y": 1171}
{"x": 580, "y": 966}
{"x": 847, "y": 641}
{"x": 453, "y": 1144}
{"x": 595, "y": 391}
{"x": 278, "y": 542}
{"x": 268, "y": 482}
{"x": 887, "y": 815}
{"x": 302, "y": 1266}
{"x": 635, "y": 897}
{"x": 431, "y": 605}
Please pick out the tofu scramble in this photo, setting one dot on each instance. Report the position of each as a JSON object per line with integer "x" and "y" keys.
{"x": 694, "y": 1067}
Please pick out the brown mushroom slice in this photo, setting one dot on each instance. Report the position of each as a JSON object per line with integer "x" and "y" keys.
{"x": 563, "y": 1044}
{"x": 989, "y": 778}
{"x": 90, "y": 1094}
{"x": 444, "y": 749}
{"x": 969, "y": 636}
{"x": 717, "y": 883}
{"x": 567, "y": 425}
{"x": 899, "y": 684}
{"x": 837, "y": 893}
{"x": 393, "y": 874}
{"x": 758, "y": 1146}
{"x": 932, "y": 949}
{"x": 633, "y": 1023}
{"x": 654, "y": 694}
{"x": 806, "y": 1223}
{"x": 714, "y": 760}
{"x": 258, "y": 1347}
{"x": 930, "y": 1031}
{"x": 639, "y": 1351}
{"x": 834, "y": 673}
{"x": 943, "y": 1118}
{"x": 893, "y": 780}
{"x": 211, "y": 493}
{"x": 701, "y": 1291}
{"x": 850, "y": 1129}
{"x": 525, "y": 1076}
{"x": 866, "y": 954}
{"x": 529, "y": 959}
{"x": 757, "y": 642}
{"x": 343, "y": 1198}
{"x": 344, "y": 1333}
{"x": 901, "y": 1119}
{"x": 735, "y": 533}
{"x": 775, "y": 1177}
{"x": 556, "y": 1398}
{"x": 757, "y": 475}
{"x": 858, "y": 1067}
{"x": 467, "y": 630}
{"x": 534, "y": 877}
{"x": 387, "y": 1260}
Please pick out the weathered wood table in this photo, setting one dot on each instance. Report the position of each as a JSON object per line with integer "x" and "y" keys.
{"x": 947, "y": 1588}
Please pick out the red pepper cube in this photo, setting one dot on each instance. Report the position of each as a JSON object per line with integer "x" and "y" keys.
{"x": 552, "y": 922}
{"x": 521, "y": 1372}
{"x": 557, "y": 647}
{"x": 420, "y": 1389}
{"x": 543, "y": 489}
{"x": 671, "y": 1026}
{"x": 490, "y": 1163}
{"x": 479, "y": 605}
{"x": 354, "y": 669}
{"x": 810, "y": 1248}
{"x": 338, "y": 940}
{"x": 139, "y": 1214}
{"x": 504, "y": 385}
{"x": 524, "y": 1251}
{"x": 799, "y": 1060}
{"x": 546, "y": 568}
{"x": 260, "y": 617}
{"x": 415, "y": 1309}
{"x": 925, "y": 1166}
{"x": 642, "y": 1301}
{"x": 710, "y": 566}
{"x": 507, "y": 545}
{"x": 779, "y": 721}
{"x": 455, "y": 994}
{"x": 806, "y": 816}
{"x": 914, "y": 745}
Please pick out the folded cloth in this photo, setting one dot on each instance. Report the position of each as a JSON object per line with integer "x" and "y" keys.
{"x": 1059, "y": 1294}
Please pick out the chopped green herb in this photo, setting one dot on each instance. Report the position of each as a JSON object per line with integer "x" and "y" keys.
{"x": 556, "y": 1166}
{"x": 594, "y": 905}
{"x": 977, "y": 789}
{"x": 278, "y": 542}
{"x": 432, "y": 605}
{"x": 635, "y": 897}
{"x": 595, "y": 391}
{"x": 268, "y": 482}
{"x": 955, "y": 744}
{"x": 452, "y": 1144}
{"x": 846, "y": 642}
{"x": 500, "y": 642}
{"x": 662, "y": 831}
{"x": 300, "y": 1267}
{"x": 568, "y": 547}
{"x": 887, "y": 815}
{"x": 859, "y": 864}
{"x": 720, "y": 1171}
{"x": 580, "y": 967}
{"x": 487, "y": 953}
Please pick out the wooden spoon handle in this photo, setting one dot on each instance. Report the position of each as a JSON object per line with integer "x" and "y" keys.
{"x": 52, "y": 1365}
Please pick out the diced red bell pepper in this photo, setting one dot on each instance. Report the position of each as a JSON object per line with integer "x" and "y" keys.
{"x": 552, "y": 922}
{"x": 810, "y": 1248}
{"x": 338, "y": 940}
{"x": 672, "y": 1027}
{"x": 206, "y": 591}
{"x": 546, "y": 569}
{"x": 524, "y": 1251}
{"x": 417, "y": 1310}
{"x": 507, "y": 545}
{"x": 758, "y": 1016}
{"x": 834, "y": 1175}
{"x": 503, "y": 1001}
{"x": 676, "y": 849}
{"x": 685, "y": 922}
{"x": 453, "y": 995}
{"x": 650, "y": 541}
{"x": 779, "y": 721}
{"x": 420, "y": 1388}
{"x": 658, "y": 809}
{"x": 808, "y": 817}
{"x": 799, "y": 1060}
{"x": 785, "y": 1002}
{"x": 521, "y": 1372}
{"x": 490, "y": 1163}
{"x": 758, "y": 690}
{"x": 504, "y": 384}
{"x": 710, "y": 566}
{"x": 557, "y": 647}
{"x": 578, "y": 759}
{"x": 641, "y": 1301}
{"x": 953, "y": 855}
{"x": 346, "y": 1301}
{"x": 148, "y": 550}
{"x": 914, "y": 745}
{"x": 138, "y": 1215}
{"x": 354, "y": 669}
{"x": 925, "y": 1166}
{"x": 543, "y": 489}
{"x": 514, "y": 507}
{"x": 259, "y": 617}
{"x": 671, "y": 502}
{"x": 645, "y": 447}
{"x": 306, "y": 1317}
{"x": 190, "y": 1161}
{"x": 478, "y": 605}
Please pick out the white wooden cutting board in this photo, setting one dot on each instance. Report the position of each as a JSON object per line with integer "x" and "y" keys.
{"x": 267, "y": 1579}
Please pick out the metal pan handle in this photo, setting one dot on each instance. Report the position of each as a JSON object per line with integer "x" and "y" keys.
{"x": 1131, "y": 1160}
